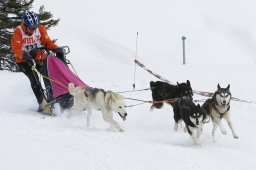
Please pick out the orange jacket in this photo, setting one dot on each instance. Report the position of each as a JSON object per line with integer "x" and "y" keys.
{"x": 16, "y": 42}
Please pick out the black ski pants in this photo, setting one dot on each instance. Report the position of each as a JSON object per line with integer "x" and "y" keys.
{"x": 34, "y": 81}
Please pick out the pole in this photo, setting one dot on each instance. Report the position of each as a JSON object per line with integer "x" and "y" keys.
{"x": 133, "y": 85}
{"x": 183, "y": 45}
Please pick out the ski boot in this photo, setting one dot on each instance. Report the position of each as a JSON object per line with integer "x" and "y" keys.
{"x": 45, "y": 108}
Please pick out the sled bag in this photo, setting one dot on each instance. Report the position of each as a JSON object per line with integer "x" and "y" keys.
{"x": 60, "y": 76}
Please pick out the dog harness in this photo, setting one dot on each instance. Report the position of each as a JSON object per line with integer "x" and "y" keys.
{"x": 221, "y": 114}
{"x": 93, "y": 91}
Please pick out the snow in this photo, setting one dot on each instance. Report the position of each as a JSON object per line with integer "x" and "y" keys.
{"x": 220, "y": 48}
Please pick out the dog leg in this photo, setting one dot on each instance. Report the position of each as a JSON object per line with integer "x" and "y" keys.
{"x": 222, "y": 129}
{"x": 207, "y": 119}
{"x": 198, "y": 132}
{"x": 71, "y": 111}
{"x": 185, "y": 129}
{"x": 231, "y": 127}
{"x": 181, "y": 124}
{"x": 108, "y": 117}
{"x": 213, "y": 131}
{"x": 176, "y": 125}
{"x": 193, "y": 135}
{"x": 89, "y": 113}
{"x": 68, "y": 113}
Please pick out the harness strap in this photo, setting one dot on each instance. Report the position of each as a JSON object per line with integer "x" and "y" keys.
{"x": 132, "y": 90}
{"x": 55, "y": 81}
{"x": 221, "y": 114}
{"x": 155, "y": 101}
{"x": 92, "y": 91}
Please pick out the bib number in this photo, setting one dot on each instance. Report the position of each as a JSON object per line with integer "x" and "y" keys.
{"x": 31, "y": 46}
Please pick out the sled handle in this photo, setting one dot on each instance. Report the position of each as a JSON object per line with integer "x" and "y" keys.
{"x": 66, "y": 49}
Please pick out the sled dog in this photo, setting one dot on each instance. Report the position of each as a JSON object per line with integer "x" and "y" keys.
{"x": 192, "y": 115}
{"x": 92, "y": 98}
{"x": 164, "y": 91}
{"x": 218, "y": 107}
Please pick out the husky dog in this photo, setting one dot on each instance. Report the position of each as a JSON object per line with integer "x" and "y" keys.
{"x": 218, "y": 107}
{"x": 192, "y": 115}
{"x": 162, "y": 91}
{"x": 105, "y": 101}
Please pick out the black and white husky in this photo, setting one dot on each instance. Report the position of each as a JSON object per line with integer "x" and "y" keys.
{"x": 218, "y": 107}
{"x": 105, "y": 101}
{"x": 192, "y": 115}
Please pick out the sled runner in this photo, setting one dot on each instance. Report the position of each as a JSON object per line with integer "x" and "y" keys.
{"x": 56, "y": 77}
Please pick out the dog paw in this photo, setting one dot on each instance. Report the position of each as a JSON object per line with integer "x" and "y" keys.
{"x": 152, "y": 108}
{"x": 235, "y": 136}
{"x": 176, "y": 127}
{"x": 195, "y": 141}
{"x": 224, "y": 132}
{"x": 121, "y": 130}
{"x": 185, "y": 130}
{"x": 68, "y": 116}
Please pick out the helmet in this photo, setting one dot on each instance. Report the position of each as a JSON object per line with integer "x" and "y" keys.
{"x": 31, "y": 20}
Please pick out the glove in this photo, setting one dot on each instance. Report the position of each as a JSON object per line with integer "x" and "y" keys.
{"x": 33, "y": 52}
{"x": 28, "y": 58}
{"x": 59, "y": 53}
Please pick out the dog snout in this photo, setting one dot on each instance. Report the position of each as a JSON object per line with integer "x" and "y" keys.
{"x": 124, "y": 117}
{"x": 191, "y": 97}
{"x": 197, "y": 122}
{"x": 224, "y": 103}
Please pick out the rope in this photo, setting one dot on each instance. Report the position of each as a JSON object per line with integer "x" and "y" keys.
{"x": 135, "y": 104}
{"x": 133, "y": 90}
{"x": 155, "y": 101}
{"x": 139, "y": 100}
{"x": 40, "y": 81}
{"x": 202, "y": 100}
{"x": 167, "y": 100}
{"x": 202, "y": 93}
{"x": 151, "y": 72}
{"x": 240, "y": 100}
{"x": 55, "y": 81}
{"x": 73, "y": 67}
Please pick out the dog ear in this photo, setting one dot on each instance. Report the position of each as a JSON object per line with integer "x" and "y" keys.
{"x": 218, "y": 86}
{"x": 152, "y": 85}
{"x": 178, "y": 83}
{"x": 228, "y": 86}
{"x": 109, "y": 100}
{"x": 188, "y": 82}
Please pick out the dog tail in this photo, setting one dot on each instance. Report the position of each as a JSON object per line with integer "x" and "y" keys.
{"x": 152, "y": 85}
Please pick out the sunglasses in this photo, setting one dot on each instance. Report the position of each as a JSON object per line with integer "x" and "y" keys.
{"x": 32, "y": 29}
